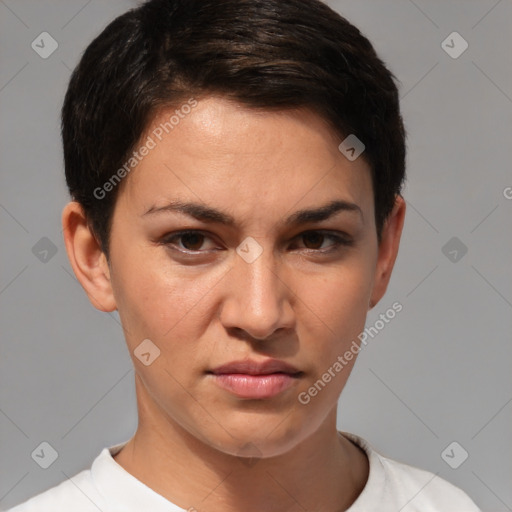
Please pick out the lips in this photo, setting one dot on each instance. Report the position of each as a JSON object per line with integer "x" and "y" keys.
{"x": 249, "y": 367}
{"x": 256, "y": 379}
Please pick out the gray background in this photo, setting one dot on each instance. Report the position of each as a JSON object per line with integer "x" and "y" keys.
{"x": 439, "y": 372}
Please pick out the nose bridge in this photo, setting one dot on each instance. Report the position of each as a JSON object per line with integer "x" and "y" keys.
{"x": 259, "y": 278}
{"x": 257, "y": 301}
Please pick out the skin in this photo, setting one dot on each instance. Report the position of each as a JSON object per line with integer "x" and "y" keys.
{"x": 294, "y": 303}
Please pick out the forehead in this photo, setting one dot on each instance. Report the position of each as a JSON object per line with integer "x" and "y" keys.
{"x": 219, "y": 152}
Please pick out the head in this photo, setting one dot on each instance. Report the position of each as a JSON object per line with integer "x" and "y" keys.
{"x": 225, "y": 118}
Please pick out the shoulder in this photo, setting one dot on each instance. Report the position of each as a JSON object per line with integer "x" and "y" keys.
{"x": 77, "y": 493}
{"x": 423, "y": 490}
{"x": 394, "y": 484}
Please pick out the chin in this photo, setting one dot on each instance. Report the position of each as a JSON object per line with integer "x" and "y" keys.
{"x": 257, "y": 436}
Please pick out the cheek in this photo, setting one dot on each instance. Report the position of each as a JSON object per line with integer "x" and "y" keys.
{"x": 329, "y": 340}
{"x": 340, "y": 299}
{"x": 348, "y": 306}
{"x": 159, "y": 301}
{"x": 333, "y": 316}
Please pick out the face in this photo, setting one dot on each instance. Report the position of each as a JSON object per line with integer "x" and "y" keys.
{"x": 243, "y": 246}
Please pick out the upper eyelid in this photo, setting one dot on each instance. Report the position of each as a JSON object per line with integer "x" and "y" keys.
{"x": 176, "y": 235}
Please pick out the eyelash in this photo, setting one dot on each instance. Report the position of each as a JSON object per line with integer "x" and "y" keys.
{"x": 339, "y": 241}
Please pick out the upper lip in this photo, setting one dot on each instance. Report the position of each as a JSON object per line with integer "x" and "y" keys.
{"x": 250, "y": 367}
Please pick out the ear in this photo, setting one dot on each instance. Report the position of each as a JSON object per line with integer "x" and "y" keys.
{"x": 88, "y": 261}
{"x": 388, "y": 250}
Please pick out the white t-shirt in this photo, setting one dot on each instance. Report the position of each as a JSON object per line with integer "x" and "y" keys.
{"x": 108, "y": 487}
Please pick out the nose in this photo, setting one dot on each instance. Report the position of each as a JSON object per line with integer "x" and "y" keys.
{"x": 258, "y": 301}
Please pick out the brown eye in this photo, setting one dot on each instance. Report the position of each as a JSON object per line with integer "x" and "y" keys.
{"x": 316, "y": 241}
{"x": 188, "y": 241}
{"x": 192, "y": 241}
{"x": 313, "y": 239}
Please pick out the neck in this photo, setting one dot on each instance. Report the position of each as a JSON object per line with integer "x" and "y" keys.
{"x": 324, "y": 472}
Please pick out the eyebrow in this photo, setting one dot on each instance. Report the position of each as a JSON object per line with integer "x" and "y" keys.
{"x": 205, "y": 213}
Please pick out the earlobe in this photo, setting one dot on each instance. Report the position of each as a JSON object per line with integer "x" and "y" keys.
{"x": 88, "y": 261}
{"x": 388, "y": 250}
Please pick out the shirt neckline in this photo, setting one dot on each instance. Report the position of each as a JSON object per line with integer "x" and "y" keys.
{"x": 123, "y": 491}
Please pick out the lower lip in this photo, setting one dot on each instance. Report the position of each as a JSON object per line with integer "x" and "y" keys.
{"x": 255, "y": 386}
